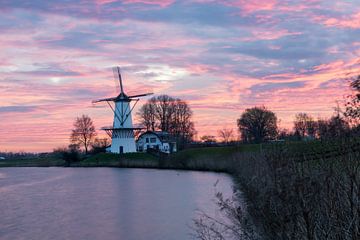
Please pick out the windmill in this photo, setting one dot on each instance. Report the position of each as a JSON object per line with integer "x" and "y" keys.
{"x": 122, "y": 131}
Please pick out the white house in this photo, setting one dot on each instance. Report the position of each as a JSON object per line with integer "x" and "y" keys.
{"x": 157, "y": 140}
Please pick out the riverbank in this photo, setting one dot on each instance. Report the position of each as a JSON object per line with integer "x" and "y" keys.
{"x": 203, "y": 159}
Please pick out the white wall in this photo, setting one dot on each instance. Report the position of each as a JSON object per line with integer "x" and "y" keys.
{"x": 141, "y": 143}
{"x": 124, "y": 138}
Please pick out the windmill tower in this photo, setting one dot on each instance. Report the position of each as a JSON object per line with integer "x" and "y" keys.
{"x": 122, "y": 131}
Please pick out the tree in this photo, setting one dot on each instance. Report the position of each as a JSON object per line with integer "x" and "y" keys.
{"x": 170, "y": 115}
{"x": 305, "y": 125}
{"x": 165, "y": 109}
{"x": 83, "y": 132}
{"x": 181, "y": 125}
{"x": 226, "y": 134}
{"x": 352, "y": 105}
{"x": 99, "y": 145}
{"x": 69, "y": 154}
{"x": 335, "y": 127}
{"x": 147, "y": 114}
{"x": 257, "y": 125}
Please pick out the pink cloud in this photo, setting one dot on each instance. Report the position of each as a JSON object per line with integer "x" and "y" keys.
{"x": 102, "y": 2}
{"x": 352, "y": 21}
{"x": 330, "y": 66}
{"x": 248, "y": 7}
{"x": 266, "y": 34}
{"x": 161, "y": 3}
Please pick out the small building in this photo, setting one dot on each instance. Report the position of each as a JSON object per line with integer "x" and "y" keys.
{"x": 157, "y": 140}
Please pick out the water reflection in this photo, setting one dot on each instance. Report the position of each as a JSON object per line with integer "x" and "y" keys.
{"x": 103, "y": 203}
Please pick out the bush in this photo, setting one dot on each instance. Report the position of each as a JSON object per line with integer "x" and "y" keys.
{"x": 69, "y": 155}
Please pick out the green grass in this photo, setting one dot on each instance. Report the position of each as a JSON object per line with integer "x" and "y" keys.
{"x": 208, "y": 158}
{"x": 116, "y": 160}
{"x": 217, "y": 152}
{"x": 33, "y": 162}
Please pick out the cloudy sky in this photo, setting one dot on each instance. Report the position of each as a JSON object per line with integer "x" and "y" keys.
{"x": 222, "y": 56}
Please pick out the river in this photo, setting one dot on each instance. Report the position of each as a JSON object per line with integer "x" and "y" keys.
{"x": 104, "y": 203}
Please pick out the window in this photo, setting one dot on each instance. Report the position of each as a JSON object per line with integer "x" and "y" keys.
{"x": 147, "y": 140}
{"x": 153, "y": 140}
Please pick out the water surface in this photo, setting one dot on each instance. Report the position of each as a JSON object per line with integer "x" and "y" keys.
{"x": 104, "y": 203}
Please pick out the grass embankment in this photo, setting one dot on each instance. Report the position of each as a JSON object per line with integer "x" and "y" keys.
{"x": 201, "y": 159}
{"x": 217, "y": 159}
{"x": 139, "y": 160}
{"x": 33, "y": 162}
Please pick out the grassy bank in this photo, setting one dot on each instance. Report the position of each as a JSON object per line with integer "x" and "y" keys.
{"x": 33, "y": 162}
{"x": 203, "y": 159}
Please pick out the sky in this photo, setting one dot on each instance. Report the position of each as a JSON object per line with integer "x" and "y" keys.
{"x": 222, "y": 57}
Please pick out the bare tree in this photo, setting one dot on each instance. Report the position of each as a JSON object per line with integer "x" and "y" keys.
{"x": 147, "y": 114}
{"x": 164, "y": 111}
{"x": 257, "y": 124}
{"x": 226, "y": 134}
{"x": 168, "y": 114}
{"x": 181, "y": 124}
{"x": 83, "y": 132}
{"x": 100, "y": 145}
{"x": 305, "y": 125}
{"x": 333, "y": 128}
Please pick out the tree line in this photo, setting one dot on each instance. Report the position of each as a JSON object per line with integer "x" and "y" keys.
{"x": 259, "y": 124}
{"x": 255, "y": 125}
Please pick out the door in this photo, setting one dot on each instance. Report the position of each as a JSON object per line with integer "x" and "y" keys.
{"x": 121, "y": 150}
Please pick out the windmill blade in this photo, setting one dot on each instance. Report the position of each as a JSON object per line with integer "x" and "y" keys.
{"x": 141, "y": 95}
{"x": 104, "y": 100}
{"x": 116, "y": 80}
{"x": 117, "y": 75}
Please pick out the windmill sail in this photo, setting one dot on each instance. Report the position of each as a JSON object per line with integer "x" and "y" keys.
{"x": 141, "y": 95}
{"x": 104, "y": 100}
{"x": 117, "y": 75}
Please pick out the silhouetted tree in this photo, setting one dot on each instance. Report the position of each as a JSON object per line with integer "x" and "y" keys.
{"x": 83, "y": 132}
{"x": 165, "y": 110}
{"x": 352, "y": 106}
{"x": 170, "y": 115}
{"x": 226, "y": 134}
{"x": 305, "y": 125}
{"x": 335, "y": 127}
{"x": 181, "y": 125}
{"x": 99, "y": 145}
{"x": 257, "y": 124}
{"x": 69, "y": 154}
{"x": 147, "y": 114}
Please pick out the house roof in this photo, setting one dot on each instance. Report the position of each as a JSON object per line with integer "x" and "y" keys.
{"x": 163, "y": 136}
